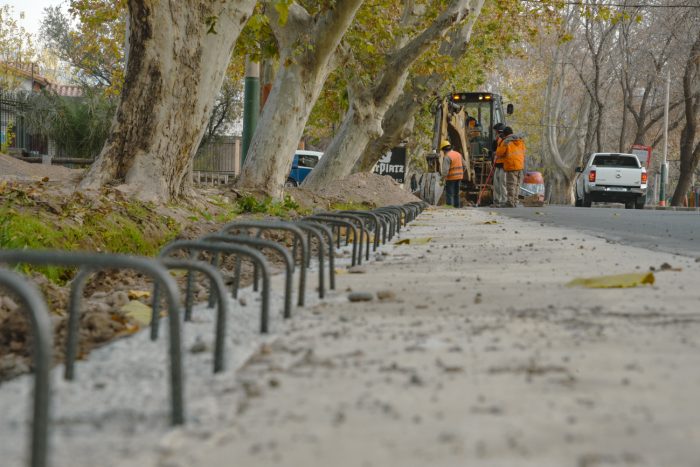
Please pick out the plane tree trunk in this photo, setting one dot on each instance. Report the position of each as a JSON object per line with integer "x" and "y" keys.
{"x": 689, "y": 148}
{"x": 363, "y": 122}
{"x": 177, "y": 57}
{"x": 295, "y": 90}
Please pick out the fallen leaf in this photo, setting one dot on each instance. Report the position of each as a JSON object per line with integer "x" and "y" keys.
{"x": 539, "y": 213}
{"x": 491, "y": 222}
{"x": 493, "y": 213}
{"x": 615, "y": 281}
{"x": 134, "y": 294}
{"x": 414, "y": 241}
{"x": 138, "y": 311}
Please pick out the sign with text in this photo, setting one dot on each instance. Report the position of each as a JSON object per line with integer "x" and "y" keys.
{"x": 393, "y": 164}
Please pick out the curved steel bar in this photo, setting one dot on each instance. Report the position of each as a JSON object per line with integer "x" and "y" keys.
{"x": 222, "y": 313}
{"x": 343, "y": 223}
{"x": 394, "y": 211}
{"x": 388, "y": 220}
{"x": 377, "y": 225}
{"x": 279, "y": 225}
{"x": 112, "y": 261}
{"x": 229, "y": 248}
{"x": 40, "y": 322}
{"x": 315, "y": 230}
{"x": 359, "y": 221}
{"x": 328, "y": 232}
{"x": 262, "y": 243}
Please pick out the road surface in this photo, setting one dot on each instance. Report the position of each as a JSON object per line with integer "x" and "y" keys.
{"x": 670, "y": 231}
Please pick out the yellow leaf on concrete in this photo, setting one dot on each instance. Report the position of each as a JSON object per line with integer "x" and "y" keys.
{"x": 616, "y": 281}
{"x": 491, "y": 222}
{"x": 134, "y": 294}
{"x": 414, "y": 241}
{"x": 138, "y": 311}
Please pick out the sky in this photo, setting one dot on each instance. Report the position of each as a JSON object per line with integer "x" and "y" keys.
{"x": 33, "y": 12}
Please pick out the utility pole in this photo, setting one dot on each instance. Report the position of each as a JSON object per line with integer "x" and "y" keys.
{"x": 664, "y": 166}
{"x": 251, "y": 103}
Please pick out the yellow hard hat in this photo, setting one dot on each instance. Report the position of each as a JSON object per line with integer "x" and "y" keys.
{"x": 444, "y": 144}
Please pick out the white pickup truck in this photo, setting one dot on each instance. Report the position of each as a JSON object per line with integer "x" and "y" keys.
{"x": 613, "y": 178}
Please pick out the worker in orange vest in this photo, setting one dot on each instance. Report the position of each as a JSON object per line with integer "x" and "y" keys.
{"x": 513, "y": 164}
{"x": 455, "y": 175}
{"x": 499, "y": 174}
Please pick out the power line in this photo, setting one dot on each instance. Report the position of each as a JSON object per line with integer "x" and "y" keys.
{"x": 620, "y": 5}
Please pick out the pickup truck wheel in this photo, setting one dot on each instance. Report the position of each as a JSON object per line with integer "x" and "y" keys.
{"x": 640, "y": 202}
{"x": 586, "y": 202}
{"x": 577, "y": 202}
{"x": 630, "y": 204}
{"x": 290, "y": 182}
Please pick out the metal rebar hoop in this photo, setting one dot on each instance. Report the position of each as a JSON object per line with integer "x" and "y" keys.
{"x": 278, "y": 225}
{"x": 339, "y": 222}
{"x": 377, "y": 224}
{"x": 112, "y": 261}
{"x": 262, "y": 243}
{"x": 317, "y": 232}
{"x": 218, "y": 287}
{"x": 228, "y": 248}
{"x": 40, "y": 323}
{"x": 352, "y": 218}
{"x": 328, "y": 232}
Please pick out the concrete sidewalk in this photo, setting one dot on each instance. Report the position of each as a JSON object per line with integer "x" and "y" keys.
{"x": 478, "y": 355}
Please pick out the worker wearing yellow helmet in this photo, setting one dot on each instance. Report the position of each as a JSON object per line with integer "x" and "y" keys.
{"x": 455, "y": 174}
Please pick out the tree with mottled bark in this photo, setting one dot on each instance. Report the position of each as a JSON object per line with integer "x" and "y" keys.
{"x": 689, "y": 147}
{"x": 368, "y": 104}
{"x": 178, "y": 53}
{"x": 307, "y": 39}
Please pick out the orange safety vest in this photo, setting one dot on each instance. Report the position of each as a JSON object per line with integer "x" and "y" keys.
{"x": 456, "y": 168}
{"x": 500, "y": 151}
{"x": 514, "y": 155}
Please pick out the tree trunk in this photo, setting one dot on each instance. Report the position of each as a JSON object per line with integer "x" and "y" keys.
{"x": 396, "y": 126}
{"x": 174, "y": 71}
{"x": 296, "y": 88}
{"x": 690, "y": 151}
{"x": 561, "y": 188}
{"x": 363, "y": 121}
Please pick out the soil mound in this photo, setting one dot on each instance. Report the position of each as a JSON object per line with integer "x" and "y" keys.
{"x": 12, "y": 168}
{"x": 369, "y": 189}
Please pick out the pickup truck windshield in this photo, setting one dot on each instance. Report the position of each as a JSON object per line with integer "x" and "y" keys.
{"x": 615, "y": 160}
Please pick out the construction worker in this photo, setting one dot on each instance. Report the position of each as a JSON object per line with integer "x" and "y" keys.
{"x": 499, "y": 175}
{"x": 513, "y": 156}
{"x": 455, "y": 175}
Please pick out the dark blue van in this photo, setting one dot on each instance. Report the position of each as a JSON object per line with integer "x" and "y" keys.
{"x": 303, "y": 162}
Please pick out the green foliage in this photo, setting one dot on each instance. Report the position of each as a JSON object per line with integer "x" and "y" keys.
{"x": 128, "y": 227}
{"x": 79, "y": 126}
{"x": 350, "y": 207}
{"x": 16, "y": 47}
{"x": 286, "y": 208}
{"x": 91, "y": 39}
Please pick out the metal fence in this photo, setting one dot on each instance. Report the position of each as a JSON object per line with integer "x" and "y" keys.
{"x": 218, "y": 160}
{"x": 13, "y": 129}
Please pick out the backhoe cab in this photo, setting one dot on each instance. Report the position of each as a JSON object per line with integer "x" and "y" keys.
{"x": 466, "y": 119}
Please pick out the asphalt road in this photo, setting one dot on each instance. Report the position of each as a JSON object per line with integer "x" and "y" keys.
{"x": 669, "y": 231}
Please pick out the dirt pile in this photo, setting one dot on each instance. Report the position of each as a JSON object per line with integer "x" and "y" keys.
{"x": 368, "y": 189}
{"x": 12, "y": 168}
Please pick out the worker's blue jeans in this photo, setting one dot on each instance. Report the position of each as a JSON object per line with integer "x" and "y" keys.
{"x": 452, "y": 192}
